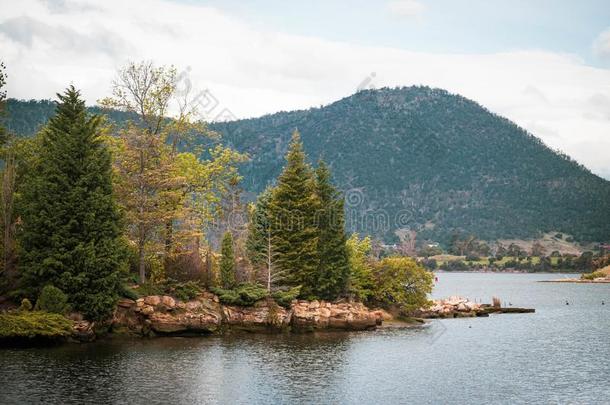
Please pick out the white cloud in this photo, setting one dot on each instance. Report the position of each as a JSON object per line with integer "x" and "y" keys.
{"x": 406, "y": 8}
{"x": 251, "y": 71}
{"x": 601, "y": 45}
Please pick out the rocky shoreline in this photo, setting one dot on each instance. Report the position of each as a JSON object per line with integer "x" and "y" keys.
{"x": 164, "y": 315}
{"x": 459, "y": 307}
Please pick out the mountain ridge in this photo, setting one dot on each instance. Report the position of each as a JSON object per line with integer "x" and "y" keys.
{"x": 430, "y": 161}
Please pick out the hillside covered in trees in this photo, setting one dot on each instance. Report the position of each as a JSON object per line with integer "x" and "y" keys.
{"x": 416, "y": 159}
{"x": 432, "y": 162}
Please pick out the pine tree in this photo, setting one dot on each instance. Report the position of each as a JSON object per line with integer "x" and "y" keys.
{"x": 227, "y": 262}
{"x": 71, "y": 235}
{"x": 292, "y": 213}
{"x": 260, "y": 242}
{"x": 333, "y": 266}
{"x": 258, "y": 229}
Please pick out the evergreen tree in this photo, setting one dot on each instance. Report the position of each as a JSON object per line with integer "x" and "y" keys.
{"x": 333, "y": 266}
{"x": 260, "y": 242}
{"x": 259, "y": 229}
{"x": 227, "y": 262}
{"x": 70, "y": 235}
{"x": 292, "y": 212}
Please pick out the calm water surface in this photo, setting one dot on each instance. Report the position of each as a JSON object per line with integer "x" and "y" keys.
{"x": 560, "y": 354}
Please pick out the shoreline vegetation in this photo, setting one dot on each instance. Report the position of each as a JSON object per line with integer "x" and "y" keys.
{"x": 600, "y": 276}
{"x": 205, "y": 315}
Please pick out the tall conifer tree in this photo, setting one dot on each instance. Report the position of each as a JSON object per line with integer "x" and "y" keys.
{"x": 70, "y": 235}
{"x": 333, "y": 266}
{"x": 292, "y": 212}
{"x": 227, "y": 261}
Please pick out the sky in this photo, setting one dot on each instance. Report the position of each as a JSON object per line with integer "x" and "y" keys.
{"x": 543, "y": 64}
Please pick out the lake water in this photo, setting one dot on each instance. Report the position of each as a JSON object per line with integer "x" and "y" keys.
{"x": 560, "y": 354}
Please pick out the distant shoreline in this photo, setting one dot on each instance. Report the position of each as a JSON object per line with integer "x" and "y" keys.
{"x": 576, "y": 280}
{"x": 499, "y": 272}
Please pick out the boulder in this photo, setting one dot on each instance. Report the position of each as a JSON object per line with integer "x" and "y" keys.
{"x": 262, "y": 315}
{"x": 168, "y": 302}
{"x": 152, "y": 300}
{"x": 325, "y": 315}
{"x": 83, "y": 331}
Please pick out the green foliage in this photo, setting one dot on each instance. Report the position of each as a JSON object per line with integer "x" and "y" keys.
{"x": 147, "y": 289}
{"x": 292, "y": 212}
{"x": 447, "y": 160}
{"x": 243, "y": 295}
{"x": 52, "y": 300}
{"x": 186, "y": 291}
{"x": 333, "y": 267}
{"x": 227, "y": 261}
{"x": 594, "y": 275}
{"x": 401, "y": 282}
{"x": 285, "y": 297}
{"x": 361, "y": 274}
{"x": 70, "y": 232}
{"x": 26, "y": 305}
{"x": 34, "y": 324}
{"x": 259, "y": 230}
{"x": 127, "y": 292}
{"x": 428, "y": 251}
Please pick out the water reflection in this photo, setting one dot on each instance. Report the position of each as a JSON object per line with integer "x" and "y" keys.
{"x": 559, "y": 354}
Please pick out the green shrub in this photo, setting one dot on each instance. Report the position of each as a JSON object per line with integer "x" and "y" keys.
{"x": 26, "y": 305}
{"x": 285, "y": 297}
{"x": 34, "y": 324}
{"x": 186, "y": 291}
{"x": 401, "y": 282}
{"x": 243, "y": 295}
{"x": 53, "y": 300}
{"x": 146, "y": 289}
{"x": 128, "y": 292}
{"x": 592, "y": 276}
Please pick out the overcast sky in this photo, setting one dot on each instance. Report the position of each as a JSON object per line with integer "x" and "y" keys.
{"x": 545, "y": 64}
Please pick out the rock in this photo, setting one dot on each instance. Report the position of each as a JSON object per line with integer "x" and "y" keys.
{"x": 203, "y": 322}
{"x": 168, "y": 301}
{"x": 324, "y": 312}
{"x": 126, "y": 303}
{"x": 152, "y": 300}
{"x": 147, "y": 310}
{"x": 83, "y": 331}
{"x": 382, "y": 315}
{"x": 204, "y": 314}
{"x": 263, "y": 315}
{"x": 314, "y": 304}
{"x": 323, "y": 315}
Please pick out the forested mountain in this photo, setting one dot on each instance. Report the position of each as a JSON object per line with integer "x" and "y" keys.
{"x": 419, "y": 159}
